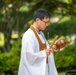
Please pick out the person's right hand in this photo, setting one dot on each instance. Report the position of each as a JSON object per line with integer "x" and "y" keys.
{"x": 48, "y": 50}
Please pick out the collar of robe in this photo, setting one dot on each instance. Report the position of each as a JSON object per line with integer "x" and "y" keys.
{"x": 42, "y": 46}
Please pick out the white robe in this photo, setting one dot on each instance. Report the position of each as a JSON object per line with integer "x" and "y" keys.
{"x": 33, "y": 61}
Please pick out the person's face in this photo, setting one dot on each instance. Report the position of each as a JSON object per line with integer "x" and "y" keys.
{"x": 42, "y": 24}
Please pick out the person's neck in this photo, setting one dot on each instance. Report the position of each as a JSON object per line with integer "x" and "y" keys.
{"x": 35, "y": 26}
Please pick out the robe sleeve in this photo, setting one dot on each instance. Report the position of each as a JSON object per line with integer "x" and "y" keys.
{"x": 30, "y": 51}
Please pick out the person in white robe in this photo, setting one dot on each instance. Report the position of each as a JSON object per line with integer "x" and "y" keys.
{"x": 36, "y": 55}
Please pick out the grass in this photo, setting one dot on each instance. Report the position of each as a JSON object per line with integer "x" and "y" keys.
{"x": 14, "y": 35}
{"x": 62, "y": 73}
{"x": 1, "y": 39}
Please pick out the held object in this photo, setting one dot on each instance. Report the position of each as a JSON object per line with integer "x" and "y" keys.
{"x": 58, "y": 45}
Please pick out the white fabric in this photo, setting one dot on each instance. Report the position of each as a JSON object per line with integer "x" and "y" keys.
{"x": 33, "y": 61}
{"x": 47, "y": 70}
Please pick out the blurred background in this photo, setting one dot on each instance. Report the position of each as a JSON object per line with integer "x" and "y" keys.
{"x": 16, "y": 16}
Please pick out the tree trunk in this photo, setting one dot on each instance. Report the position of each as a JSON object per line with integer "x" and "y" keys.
{"x": 7, "y": 38}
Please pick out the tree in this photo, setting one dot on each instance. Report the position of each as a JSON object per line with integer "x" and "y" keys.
{"x": 11, "y": 17}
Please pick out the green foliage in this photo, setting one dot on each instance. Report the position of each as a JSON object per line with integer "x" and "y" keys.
{"x": 62, "y": 73}
{"x": 66, "y": 58}
{"x": 13, "y": 19}
{"x": 10, "y": 61}
{"x": 1, "y": 39}
{"x": 63, "y": 28}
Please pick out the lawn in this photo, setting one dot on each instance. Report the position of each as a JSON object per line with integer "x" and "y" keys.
{"x": 15, "y": 35}
{"x": 62, "y": 73}
{"x": 1, "y": 39}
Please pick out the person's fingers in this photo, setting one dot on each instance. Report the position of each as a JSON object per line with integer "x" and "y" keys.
{"x": 55, "y": 50}
{"x": 48, "y": 51}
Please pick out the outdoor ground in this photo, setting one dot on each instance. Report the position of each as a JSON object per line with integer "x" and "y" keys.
{"x": 62, "y": 73}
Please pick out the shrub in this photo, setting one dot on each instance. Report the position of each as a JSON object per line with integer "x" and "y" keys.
{"x": 9, "y": 62}
{"x": 66, "y": 58}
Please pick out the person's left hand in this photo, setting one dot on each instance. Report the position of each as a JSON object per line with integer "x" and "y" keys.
{"x": 54, "y": 48}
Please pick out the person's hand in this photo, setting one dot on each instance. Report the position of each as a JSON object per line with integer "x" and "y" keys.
{"x": 48, "y": 50}
{"x": 54, "y": 48}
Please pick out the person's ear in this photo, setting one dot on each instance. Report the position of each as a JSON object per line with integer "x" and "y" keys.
{"x": 37, "y": 19}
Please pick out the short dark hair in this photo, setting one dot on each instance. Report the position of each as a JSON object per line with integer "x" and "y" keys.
{"x": 41, "y": 13}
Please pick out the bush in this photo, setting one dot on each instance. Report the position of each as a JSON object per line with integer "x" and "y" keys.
{"x": 66, "y": 59}
{"x": 9, "y": 62}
